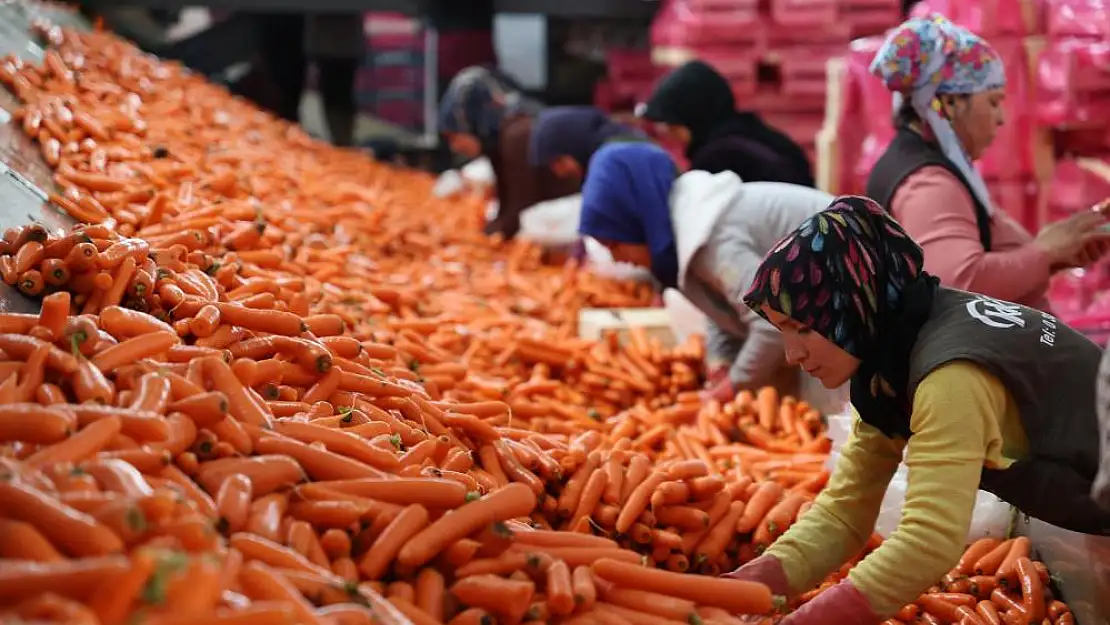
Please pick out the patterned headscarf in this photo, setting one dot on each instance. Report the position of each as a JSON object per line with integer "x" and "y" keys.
{"x": 626, "y": 198}
{"x": 853, "y": 275}
{"x": 478, "y": 100}
{"x": 930, "y": 56}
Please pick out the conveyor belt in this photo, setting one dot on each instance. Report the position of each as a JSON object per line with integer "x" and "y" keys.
{"x": 24, "y": 177}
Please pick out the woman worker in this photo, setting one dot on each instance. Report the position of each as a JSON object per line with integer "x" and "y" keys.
{"x": 484, "y": 114}
{"x": 694, "y": 105}
{"x": 979, "y": 393}
{"x": 703, "y": 234}
{"x": 949, "y": 87}
{"x": 565, "y": 137}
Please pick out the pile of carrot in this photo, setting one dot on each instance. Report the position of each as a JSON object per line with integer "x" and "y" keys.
{"x": 996, "y": 582}
{"x": 275, "y": 382}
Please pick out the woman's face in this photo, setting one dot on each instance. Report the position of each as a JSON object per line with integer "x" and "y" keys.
{"x": 633, "y": 253}
{"x": 566, "y": 167}
{"x": 465, "y": 144}
{"x": 816, "y": 355}
{"x": 674, "y": 132}
{"x": 976, "y": 119}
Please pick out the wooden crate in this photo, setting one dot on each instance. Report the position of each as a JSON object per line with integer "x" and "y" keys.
{"x": 656, "y": 322}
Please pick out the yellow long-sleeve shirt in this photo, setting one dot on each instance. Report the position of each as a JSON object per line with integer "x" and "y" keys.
{"x": 963, "y": 419}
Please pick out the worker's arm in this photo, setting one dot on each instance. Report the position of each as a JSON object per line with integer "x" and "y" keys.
{"x": 952, "y": 412}
{"x": 720, "y": 347}
{"x": 938, "y": 212}
{"x": 843, "y": 516}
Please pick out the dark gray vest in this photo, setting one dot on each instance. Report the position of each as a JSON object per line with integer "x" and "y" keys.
{"x": 1050, "y": 371}
{"x": 906, "y": 154}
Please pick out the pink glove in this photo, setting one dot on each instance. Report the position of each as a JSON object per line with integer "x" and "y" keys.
{"x": 765, "y": 570}
{"x": 715, "y": 374}
{"x": 840, "y": 605}
{"x": 722, "y": 390}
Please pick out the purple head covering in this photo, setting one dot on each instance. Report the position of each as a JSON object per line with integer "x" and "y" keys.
{"x": 574, "y": 131}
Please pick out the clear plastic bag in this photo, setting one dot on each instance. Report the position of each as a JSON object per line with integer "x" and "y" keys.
{"x": 553, "y": 223}
{"x": 686, "y": 319}
{"x": 449, "y": 183}
{"x": 991, "y": 517}
{"x": 601, "y": 262}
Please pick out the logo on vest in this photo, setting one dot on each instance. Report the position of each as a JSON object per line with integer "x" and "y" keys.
{"x": 996, "y": 313}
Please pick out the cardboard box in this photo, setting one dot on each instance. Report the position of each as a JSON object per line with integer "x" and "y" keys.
{"x": 656, "y": 322}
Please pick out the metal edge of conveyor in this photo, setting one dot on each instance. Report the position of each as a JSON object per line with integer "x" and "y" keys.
{"x": 1079, "y": 564}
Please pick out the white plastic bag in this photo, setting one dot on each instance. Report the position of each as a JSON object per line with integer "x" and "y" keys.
{"x": 478, "y": 172}
{"x": 601, "y": 262}
{"x": 686, "y": 319}
{"x": 449, "y": 183}
{"x": 991, "y": 517}
{"x": 553, "y": 223}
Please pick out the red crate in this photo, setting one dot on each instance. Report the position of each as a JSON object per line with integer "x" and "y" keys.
{"x": 624, "y": 63}
{"x": 394, "y": 77}
{"x": 814, "y": 13}
{"x": 802, "y": 71}
{"x": 407, "y": 113}
{"x": 677, "y": 26}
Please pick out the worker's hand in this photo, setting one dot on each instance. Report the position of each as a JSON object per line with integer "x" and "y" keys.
{"x": 715, "y": 373}
{"x": 765, "y": 569}
{"x": 840, "y": 605}
{"x": 722, "y": 390}
{"x": 1064, "y": 241}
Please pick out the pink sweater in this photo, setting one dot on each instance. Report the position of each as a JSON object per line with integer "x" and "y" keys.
{"x": 937, "y": 211}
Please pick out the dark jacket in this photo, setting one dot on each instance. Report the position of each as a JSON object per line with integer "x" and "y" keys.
{"x": 1048, "y": 368}
{"x": 723, "y": 138}
{"x": 519, "y": 185}
{"x": 747, "y": 158}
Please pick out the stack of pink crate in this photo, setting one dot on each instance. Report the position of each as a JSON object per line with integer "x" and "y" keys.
{"x": 1057, "y": 105}
{"x": 773, "y": 52}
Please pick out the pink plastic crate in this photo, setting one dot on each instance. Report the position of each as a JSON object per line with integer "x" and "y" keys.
{"x": 868, "y": 21}
{"x": 623, "y": 63}
{"x": 1077, "y": 18}
{"x": 1073, "y": 86}
{"x": 394, "y": 77}
{"x": 395, "y": 42}
{"x": 677, "y": 25}
{"x": 803, "y": 69}
{"x": 734, "y": 6}
{"x": 1019, "y": 198}
{"x": 992, "y": 18}
{"x": 408, "y": 113}
{"x": 804, "y": 12}
{"x": 837, "y": 34}
{"x": 1073, "y": 189}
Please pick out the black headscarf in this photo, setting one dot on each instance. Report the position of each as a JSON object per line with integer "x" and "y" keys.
{"x": 698, "y": 97}
{"x": 851, "y": 274}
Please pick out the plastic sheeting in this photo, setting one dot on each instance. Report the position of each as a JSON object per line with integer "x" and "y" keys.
{"x": 992, "y": 516}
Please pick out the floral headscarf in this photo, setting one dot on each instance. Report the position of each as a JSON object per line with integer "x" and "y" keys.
{"x": 930, "y": 56}
{"x": 478, "y": 100}
{"x": 853, "y": 275}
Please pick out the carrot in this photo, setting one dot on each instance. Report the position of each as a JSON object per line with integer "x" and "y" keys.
{"x": 260, "y": 582}
{"x": 989, "y": 563}
{"x": 20, "y": 540}
{"x": 77, "y": 533}
{"x": 507, "y": 502}
{"x": 1032, "y": 591}
{"x": 1007, "y": 570}
{"x": 759, "y": 504}
{"x": 32, "y": 423}
{"x": 778, "y": 519}
{"x": 394, "y": 538}
{"x": 507, "y": 598}
{"x": 735, "y": 595}
{"x": 77, "y": 578}
{"x": 977, "y": 550}
{"x": 233, "y": 503}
